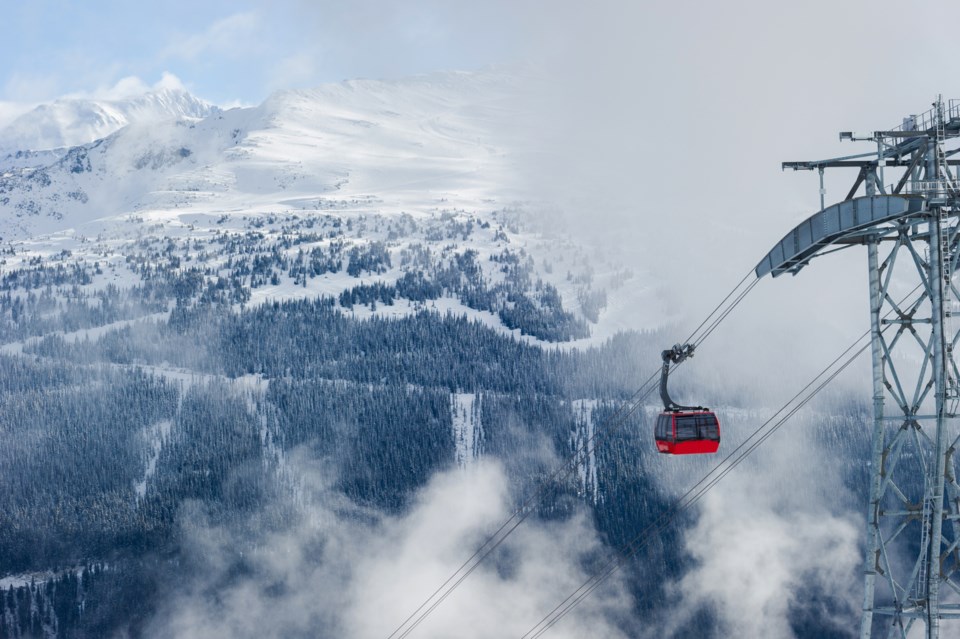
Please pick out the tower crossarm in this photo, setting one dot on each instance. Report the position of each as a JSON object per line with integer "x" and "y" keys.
{"x": 835, "y": 225}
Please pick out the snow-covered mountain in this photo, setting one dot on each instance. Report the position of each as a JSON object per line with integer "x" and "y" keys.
{"x": 415, "y": 165}
{"x": 403, "y": 138}
{"x": 70, "y": 122}
{"x": 247, "y": 321}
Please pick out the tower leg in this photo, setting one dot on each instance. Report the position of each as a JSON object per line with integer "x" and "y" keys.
{"x": 938, "y": 468}
{"x": 872, "y": 558}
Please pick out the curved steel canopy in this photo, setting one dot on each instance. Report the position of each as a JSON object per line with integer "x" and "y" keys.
{"x": 831, "y": 224}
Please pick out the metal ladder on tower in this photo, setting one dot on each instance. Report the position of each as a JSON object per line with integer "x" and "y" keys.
{"x": 926, "y": 519}
{"x": 948, "y": 249}
{"x": 920, "y": 586}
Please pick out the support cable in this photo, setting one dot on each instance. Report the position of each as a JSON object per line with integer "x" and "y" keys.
{"x": 725, "y": 313}
{"x": 691, "y": 497}
{"x": 517, "y": 518}
{"x": 722, "y": 302}
{"x": 609, "y": 426}
{"x": 698, "y": 490}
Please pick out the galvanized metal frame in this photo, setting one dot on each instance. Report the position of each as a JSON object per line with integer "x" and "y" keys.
{"x": 912, "y": 549}
{"x": 912, "y": 465}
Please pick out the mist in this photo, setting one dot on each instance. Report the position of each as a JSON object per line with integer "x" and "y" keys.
{"x": 343, "y": 570}
{"x": 659, "y": 131}
{"x": 778, "y": 539}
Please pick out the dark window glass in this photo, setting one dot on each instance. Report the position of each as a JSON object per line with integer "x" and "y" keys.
{"x": 664, "y": 427}
{"x": 707, "y": 427}
{"x": 686, "y": 428}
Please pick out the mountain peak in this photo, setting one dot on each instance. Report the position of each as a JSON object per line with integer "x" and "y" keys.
{"x": 68, "y": 122}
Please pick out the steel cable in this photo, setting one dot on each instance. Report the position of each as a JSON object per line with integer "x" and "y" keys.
{"x": 691, "y": 497}
{"x": 608, "y": 427}
{"x": 696, "y": 492}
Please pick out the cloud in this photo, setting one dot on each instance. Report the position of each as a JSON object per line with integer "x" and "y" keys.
{"x": 297, "y": 70}
{"x": 344, "y": 571}
{"x": 10, "y": 111}
{"x": 30, "y": 87}
{"x": 231, "y": 36}
{"x": 659, "y": 133}
{"x": 771, "y": 534}
{"x": 132, "y": 86}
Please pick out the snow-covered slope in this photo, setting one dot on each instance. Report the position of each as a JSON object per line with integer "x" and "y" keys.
{"x": 412, "y": 139}
{"x": 71, "y": 122}
{"x": 417, "y": 167}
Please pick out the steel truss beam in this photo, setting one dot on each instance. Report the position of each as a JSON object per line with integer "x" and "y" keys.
{"x": 912, "y": 563}
{"x": 912, "y": 550}
{"x": 912, "y": 566}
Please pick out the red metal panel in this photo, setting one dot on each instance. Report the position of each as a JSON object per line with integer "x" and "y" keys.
{"x": 692, "y": 446}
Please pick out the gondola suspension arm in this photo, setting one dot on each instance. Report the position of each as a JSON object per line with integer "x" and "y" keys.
{"x": 672, "y": 357}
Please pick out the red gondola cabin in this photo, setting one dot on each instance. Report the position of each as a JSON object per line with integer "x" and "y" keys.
{"x": 687, "y": 432}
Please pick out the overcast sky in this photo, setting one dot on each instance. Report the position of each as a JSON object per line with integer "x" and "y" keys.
{"x": 230, "y": 50}
{"x": 240, "y": 50}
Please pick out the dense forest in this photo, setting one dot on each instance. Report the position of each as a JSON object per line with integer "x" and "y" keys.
{"x": 108, "y": 439}
{"x": 129, "y": 413}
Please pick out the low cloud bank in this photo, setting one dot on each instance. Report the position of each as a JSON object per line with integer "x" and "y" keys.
{"x": 348, "y": 572}
{"x": 776, "y": 545}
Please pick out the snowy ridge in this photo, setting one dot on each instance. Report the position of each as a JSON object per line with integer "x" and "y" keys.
{"x": 71, "y": 122}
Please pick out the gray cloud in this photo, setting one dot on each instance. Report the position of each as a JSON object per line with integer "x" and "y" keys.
{"x": 343, "y": 571}
{"x": 773, "y": 532}
{"x": 658, "y": 130}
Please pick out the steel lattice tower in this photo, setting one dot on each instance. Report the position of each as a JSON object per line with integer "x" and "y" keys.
{"x": 910, "y": 229}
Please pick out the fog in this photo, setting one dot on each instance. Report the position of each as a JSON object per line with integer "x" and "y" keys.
{"x": 778, "y": 538}
{"x": 345, "y": 571}
{"x": 661, "y": 128}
